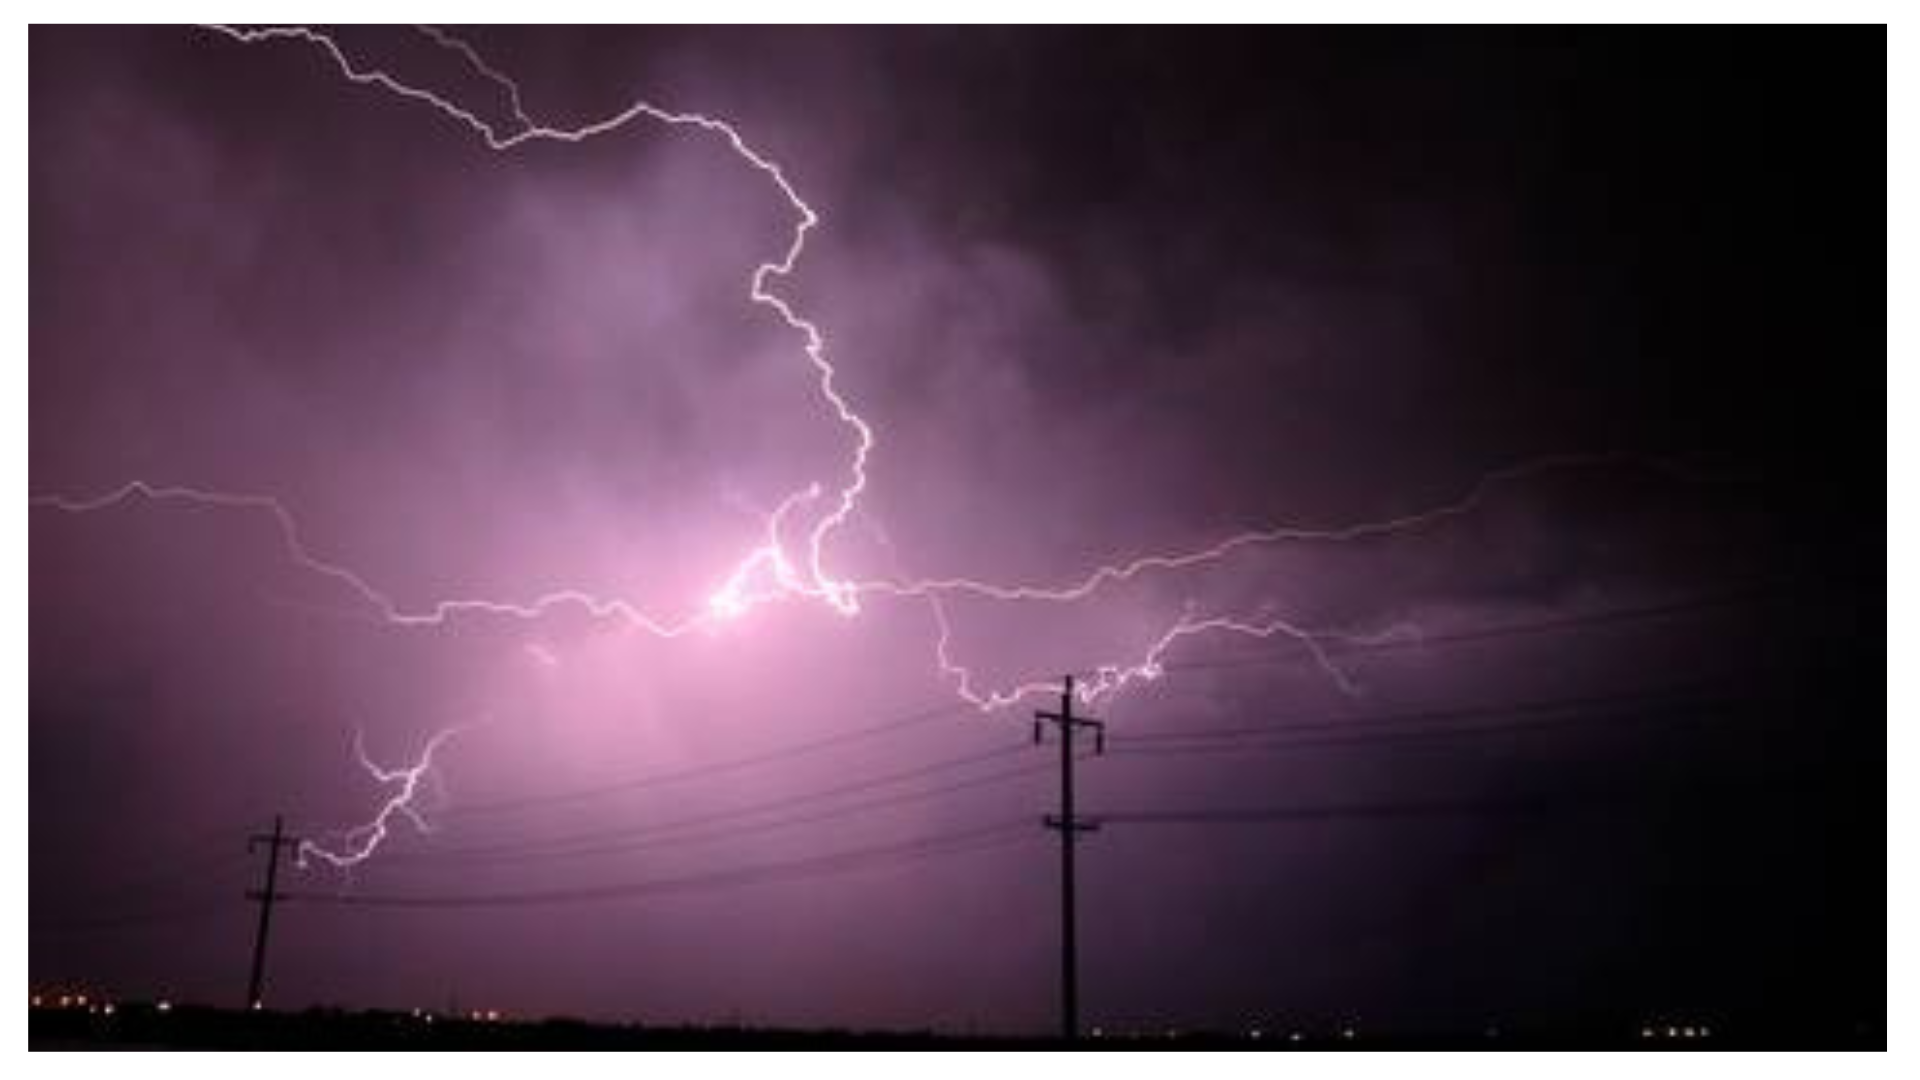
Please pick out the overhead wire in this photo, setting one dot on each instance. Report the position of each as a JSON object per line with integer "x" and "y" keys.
{"x": 668, "y": 838}
{"x": 747, "y": 810}
{"x": 677, "y": 776}
{"x": 935, "y": 713}
{"x": 1322, "y": 722}
{"x": 1702, "y": 708}
{"x": 835, "y": 863}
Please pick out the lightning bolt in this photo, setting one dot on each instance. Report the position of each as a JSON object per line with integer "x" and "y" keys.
{"x": 383, "y": 605}
{"x": 789, "y": 561}
{"x": 358, "y": 844}
{"x": 735, "y": 597}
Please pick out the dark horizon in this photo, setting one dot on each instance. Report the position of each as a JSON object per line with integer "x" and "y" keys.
{"x": 1495, "y": 415}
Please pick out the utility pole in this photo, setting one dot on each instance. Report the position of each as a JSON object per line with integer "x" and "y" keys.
{"x": 1069, "y": 827}
{"x": 275, "y": 841}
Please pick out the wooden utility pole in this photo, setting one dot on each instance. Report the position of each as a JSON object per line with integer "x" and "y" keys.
{"x": 1069, "y": 827}
{"x": 275, "y": 841}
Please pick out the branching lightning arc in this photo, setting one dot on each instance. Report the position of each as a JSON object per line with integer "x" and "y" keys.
{"x": 789, "y": 560}
{"x": 356, "y": 844}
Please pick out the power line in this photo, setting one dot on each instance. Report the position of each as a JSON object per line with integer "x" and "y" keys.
{"x": 1324, "y": 723}
{"x": 1400, "y": 738}
{"x": 1486, "y": 719}
{"x": 711, "y": 835}
{"x": 745, "y": 811}
{"x": 1558, "y": 797}
{"x": 688, "y": 829}
{"x": 1306, "y": 814}
{"x": 1493, "y": 724}
{"x": 934, "y": 713}
{"x": 661, "y": 779}
{"x": 831, "y": 864}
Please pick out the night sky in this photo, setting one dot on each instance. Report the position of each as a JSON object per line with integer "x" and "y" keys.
{"x": 1605, "y": 746}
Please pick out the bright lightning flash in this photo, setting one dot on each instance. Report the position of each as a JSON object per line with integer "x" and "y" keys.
{"x": 357, "y": 844}
{"x": 790, "y": 559}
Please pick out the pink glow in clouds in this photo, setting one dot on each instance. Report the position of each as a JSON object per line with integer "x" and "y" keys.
{"x": 792, "y": 560}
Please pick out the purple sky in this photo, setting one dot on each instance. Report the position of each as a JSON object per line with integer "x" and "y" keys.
{"x": 1099, "y": 295}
